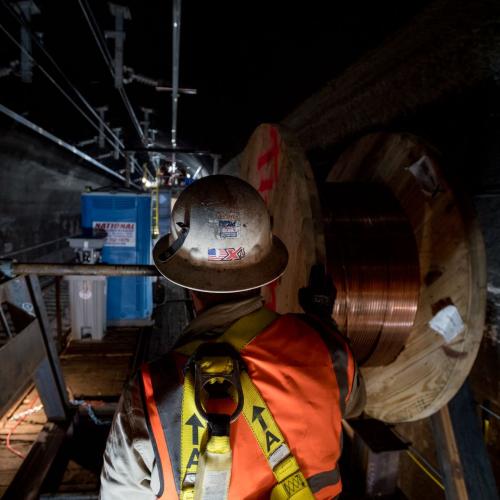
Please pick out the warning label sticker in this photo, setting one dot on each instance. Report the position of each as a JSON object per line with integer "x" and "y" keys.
{"x": 119, "y": 234}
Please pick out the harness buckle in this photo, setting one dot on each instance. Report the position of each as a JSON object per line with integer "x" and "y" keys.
{"x": 216, "y": 362}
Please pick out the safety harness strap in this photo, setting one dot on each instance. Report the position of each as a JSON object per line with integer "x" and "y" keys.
{"x": 214, "y": 471}
{"x": 191, "y": 468}
{"x": 240, "y": 333}
{"x": 211, "y": 470}
{"x": 286, "y": 470}
{"x": 193, "y": 434}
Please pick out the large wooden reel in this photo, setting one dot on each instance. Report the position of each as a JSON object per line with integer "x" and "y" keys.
{"x": 429, "y": 370}
{"x": 276, "y": 166}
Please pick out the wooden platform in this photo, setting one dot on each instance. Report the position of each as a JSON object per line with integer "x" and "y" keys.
{"x": 94, "y": 371}
{"x": 98, "y": 369}
{"x": 23, "y": 436}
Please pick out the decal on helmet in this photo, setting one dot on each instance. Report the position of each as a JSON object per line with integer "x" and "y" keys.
{"x": 226, "y": 224}
{"x": 229, "y": 229}
{"x": 226, "y": 254}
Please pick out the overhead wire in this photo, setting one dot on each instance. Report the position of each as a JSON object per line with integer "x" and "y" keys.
{"x": 115, "y": 138}
{"x": 103, "y": 48}
{"x": 19, "y": 18}
{"x": 96, "y": 32}
{"x": 101, "y": 43}
{"x": 53, "y": 81}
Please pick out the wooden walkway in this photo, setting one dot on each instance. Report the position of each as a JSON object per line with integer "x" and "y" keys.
{"x": 95, "y": 372}
{"x": 24, "y": 433}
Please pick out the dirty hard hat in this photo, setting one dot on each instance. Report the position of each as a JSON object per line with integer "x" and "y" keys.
{"x": 221, "y": 239}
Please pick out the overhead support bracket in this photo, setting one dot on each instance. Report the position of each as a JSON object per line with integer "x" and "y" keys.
{"x": 26, "y": 8}
{"x": 163, "y": 88}
{"x": 10, "y": 69}
{"x": 120, "y": 13}
{"x": 147, "y": 121}
{"x": 101, "y": 111}
{"x": 116, "y": 151}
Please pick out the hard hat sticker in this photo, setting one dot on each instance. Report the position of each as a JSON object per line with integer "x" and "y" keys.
{"x": 226, "y": 224}
{"x": 226, "y": 254}
{"x": 229, "y": 229}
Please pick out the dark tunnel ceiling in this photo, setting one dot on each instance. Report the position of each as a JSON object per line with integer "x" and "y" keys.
{"x": 251, "y": 62}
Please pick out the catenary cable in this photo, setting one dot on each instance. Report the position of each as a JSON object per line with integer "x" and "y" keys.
{"x": 54, "y": 82}
{"x": 77, "y": 92}
{"x": 96, "y": 32}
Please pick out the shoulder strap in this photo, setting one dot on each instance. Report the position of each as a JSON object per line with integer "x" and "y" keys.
{"x": 240, "y": 333}
{"x": 193, "y": 434}
{"x": 291, "y": 483}
{"x": 286, "y": 470}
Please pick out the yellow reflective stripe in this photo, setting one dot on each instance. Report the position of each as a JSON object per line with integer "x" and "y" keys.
{"x": 193, "y": 434}
{"x": 240, "y": 333}
{"x": 291, "y": 482}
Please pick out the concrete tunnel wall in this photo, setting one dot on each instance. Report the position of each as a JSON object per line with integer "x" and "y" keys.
{"x": 40, "y": 187}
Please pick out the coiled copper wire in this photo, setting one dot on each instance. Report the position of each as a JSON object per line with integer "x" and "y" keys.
{"x": 373, "y": 259}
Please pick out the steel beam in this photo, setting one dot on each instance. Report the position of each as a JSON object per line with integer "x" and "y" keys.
{"x": 46, "y": 269}
{"x": 48, "y": 378}
{"x": 19, "y": 359}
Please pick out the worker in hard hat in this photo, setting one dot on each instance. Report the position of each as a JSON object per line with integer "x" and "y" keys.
{"x": 249, "y": 403}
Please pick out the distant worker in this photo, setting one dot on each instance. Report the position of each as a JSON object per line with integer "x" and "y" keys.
{"x": 249, "y": 403}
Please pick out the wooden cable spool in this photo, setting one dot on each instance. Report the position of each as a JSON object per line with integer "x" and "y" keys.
{"x": 430, "y": 370}
{"x": 276, "y": 166}
{"x": 366, "y": 236}
{"x": 372, "y": 258}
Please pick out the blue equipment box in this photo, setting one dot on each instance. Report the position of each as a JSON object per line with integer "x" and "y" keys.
{"x": 126, "y": 218}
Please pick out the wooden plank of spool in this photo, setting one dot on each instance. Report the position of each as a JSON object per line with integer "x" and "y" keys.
{"x": 275, "y": 165}
{"x": 430, "y": 370}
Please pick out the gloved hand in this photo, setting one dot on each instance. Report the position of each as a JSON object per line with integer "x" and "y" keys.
{"x": 318, "y": 298}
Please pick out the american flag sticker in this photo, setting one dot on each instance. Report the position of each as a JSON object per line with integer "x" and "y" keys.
{"x": 226, "y": 254}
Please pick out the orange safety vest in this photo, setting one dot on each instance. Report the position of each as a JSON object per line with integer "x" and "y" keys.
{"x": 304, "y": 371}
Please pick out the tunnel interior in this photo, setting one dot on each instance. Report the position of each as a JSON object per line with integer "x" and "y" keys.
{"x": 369, "y": 132}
